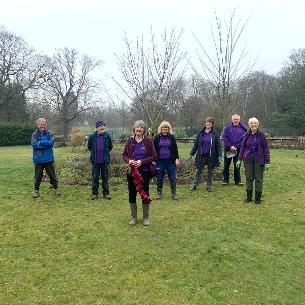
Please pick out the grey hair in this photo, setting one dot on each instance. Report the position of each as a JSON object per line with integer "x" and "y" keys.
{"x": 139, "y": 123}
{"x": 235, "y": 115}
{"x": 41, "y": 120}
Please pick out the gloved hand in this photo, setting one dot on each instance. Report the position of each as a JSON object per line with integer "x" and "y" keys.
{"x": 190, "y": 157}
{"x": 238, "y": 163}
{"x": 267, "y": 165}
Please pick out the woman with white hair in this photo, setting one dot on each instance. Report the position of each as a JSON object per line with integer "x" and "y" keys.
{"x": 139, "y": 153}
{"x": 168, "y": 158}
{"x": 255, "y": 153}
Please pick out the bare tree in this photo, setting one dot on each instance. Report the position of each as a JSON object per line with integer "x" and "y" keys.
{"x": 225, "y": 65}
{"x": 69, "y": 88}
{"x": 149, "y": 73}
{"x": 20, "y": 72}
{"x": 257, "y": 95}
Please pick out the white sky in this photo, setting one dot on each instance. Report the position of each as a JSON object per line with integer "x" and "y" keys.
{"x": 96, "y": 27}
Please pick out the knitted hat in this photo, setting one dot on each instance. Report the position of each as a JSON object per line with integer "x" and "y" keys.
{"x": 99, "y": 123}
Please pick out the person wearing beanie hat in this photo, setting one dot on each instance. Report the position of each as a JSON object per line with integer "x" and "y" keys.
{"x": 100, "y": 145}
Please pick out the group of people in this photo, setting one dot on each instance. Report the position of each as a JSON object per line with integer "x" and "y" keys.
{"x": 146, "y": 158}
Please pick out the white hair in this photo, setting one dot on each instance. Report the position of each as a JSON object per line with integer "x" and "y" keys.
{"x": 253, "y": 120}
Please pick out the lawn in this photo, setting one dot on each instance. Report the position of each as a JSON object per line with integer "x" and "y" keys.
{"x": 209, "y": 248}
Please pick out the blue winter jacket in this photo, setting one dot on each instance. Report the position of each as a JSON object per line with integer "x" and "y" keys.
{"x": 42, "y": 144}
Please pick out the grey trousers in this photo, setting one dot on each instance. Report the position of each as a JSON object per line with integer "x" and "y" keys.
{"x": 205, "y": 160}
{"x": 254, "y": 171}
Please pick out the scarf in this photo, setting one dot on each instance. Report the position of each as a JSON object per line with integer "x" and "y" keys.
{"x": 138, "y": 180}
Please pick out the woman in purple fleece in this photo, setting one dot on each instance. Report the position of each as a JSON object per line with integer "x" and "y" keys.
{"x": 255, "y": 153}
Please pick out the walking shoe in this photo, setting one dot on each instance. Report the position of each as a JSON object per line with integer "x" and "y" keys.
{"x": 239, "y": 183}
{"x": 94, "y": 197}
{"x": 225, "y": 183}
{"x": 210, "y": 188}
{"x": 193, "y": 188}
{"x": 36, "y": 194}
{"x": 107, "y": 196}
{"x": 56, "y": 192}
{"x": 174, "y": 196}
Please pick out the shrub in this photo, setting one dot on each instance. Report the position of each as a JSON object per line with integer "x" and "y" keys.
{"x": 76, "y": 137}
{"x": 77, "y": 170}
{"x": 15, "y": 134}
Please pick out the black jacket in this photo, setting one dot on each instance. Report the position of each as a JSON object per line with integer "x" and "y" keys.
{"x": 173, "y": 148}
{"x": 215, "y": 151}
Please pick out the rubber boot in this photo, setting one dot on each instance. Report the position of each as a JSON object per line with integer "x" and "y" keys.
{"x": 133, "y": 213}
{"x": 146, "y": 221}
{"x": 210, "y": 188}
{"x": 173, "y": 190}
{"x": 249, "y": 196}
{"x": 258, "y": 196}
{"x": 159, "y": 190}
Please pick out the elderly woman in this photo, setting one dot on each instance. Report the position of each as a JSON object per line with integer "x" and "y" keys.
{"x": 208, "y": 152}
{"x": 168, "y": 158}
{"x": 255, "y": 153}
{"x": 139, "y": 153}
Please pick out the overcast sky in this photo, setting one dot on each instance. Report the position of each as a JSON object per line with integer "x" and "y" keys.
{"x": 96, "y": 27}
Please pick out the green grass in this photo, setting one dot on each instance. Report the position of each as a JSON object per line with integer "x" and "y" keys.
{"x": 209, "y": 248}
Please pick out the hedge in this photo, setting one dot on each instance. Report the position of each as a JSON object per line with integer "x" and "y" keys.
{"x": 15, "y": 134}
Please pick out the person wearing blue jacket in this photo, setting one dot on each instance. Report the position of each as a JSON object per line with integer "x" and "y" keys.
{"x": 232, "y": 135}
{"x": 208, "y": 152}
{"x": 43, "y": 157}
{"x": 100, "y": 145}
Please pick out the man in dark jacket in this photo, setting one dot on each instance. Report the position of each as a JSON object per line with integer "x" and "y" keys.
{"x": 100, "y": 145}
{"x": 43, "y": 157}
{"x": 232, "y": 138}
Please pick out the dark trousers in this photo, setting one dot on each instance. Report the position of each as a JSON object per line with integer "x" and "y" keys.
{"x": 132, "y": 188}
{"x": 100, "y": 170}
{"x": 50, "y": 169}
{"x": 226, "y": 169}
{"x": 254, "y": 171}
{"x": 204, "y": 160}
{"x": 165, "y": 165}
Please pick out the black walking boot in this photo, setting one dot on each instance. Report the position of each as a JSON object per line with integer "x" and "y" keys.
{"x": 159, "y": 190}
{"x": 173, "y": 190}
{"x": 258, "y": 196}
{"x": 249, "y": 196}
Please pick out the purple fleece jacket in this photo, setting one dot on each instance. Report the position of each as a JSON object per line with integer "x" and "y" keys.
{"x": 263, "y": 154}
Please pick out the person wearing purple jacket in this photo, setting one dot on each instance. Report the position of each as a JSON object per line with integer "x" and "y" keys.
{"x": 255, "y": 153}
{"x": 232, "y": 136}
{"x": 139, "y": 152}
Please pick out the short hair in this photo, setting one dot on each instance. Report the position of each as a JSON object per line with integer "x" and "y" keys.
{"x": 41, "y": 120}
{"x": 139, "y": 123}
{"x": 235, "y": 115}
{"x": 253, "y": 120}
{"x": 210, "y": 120}
{"x": 165, "y": 124}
